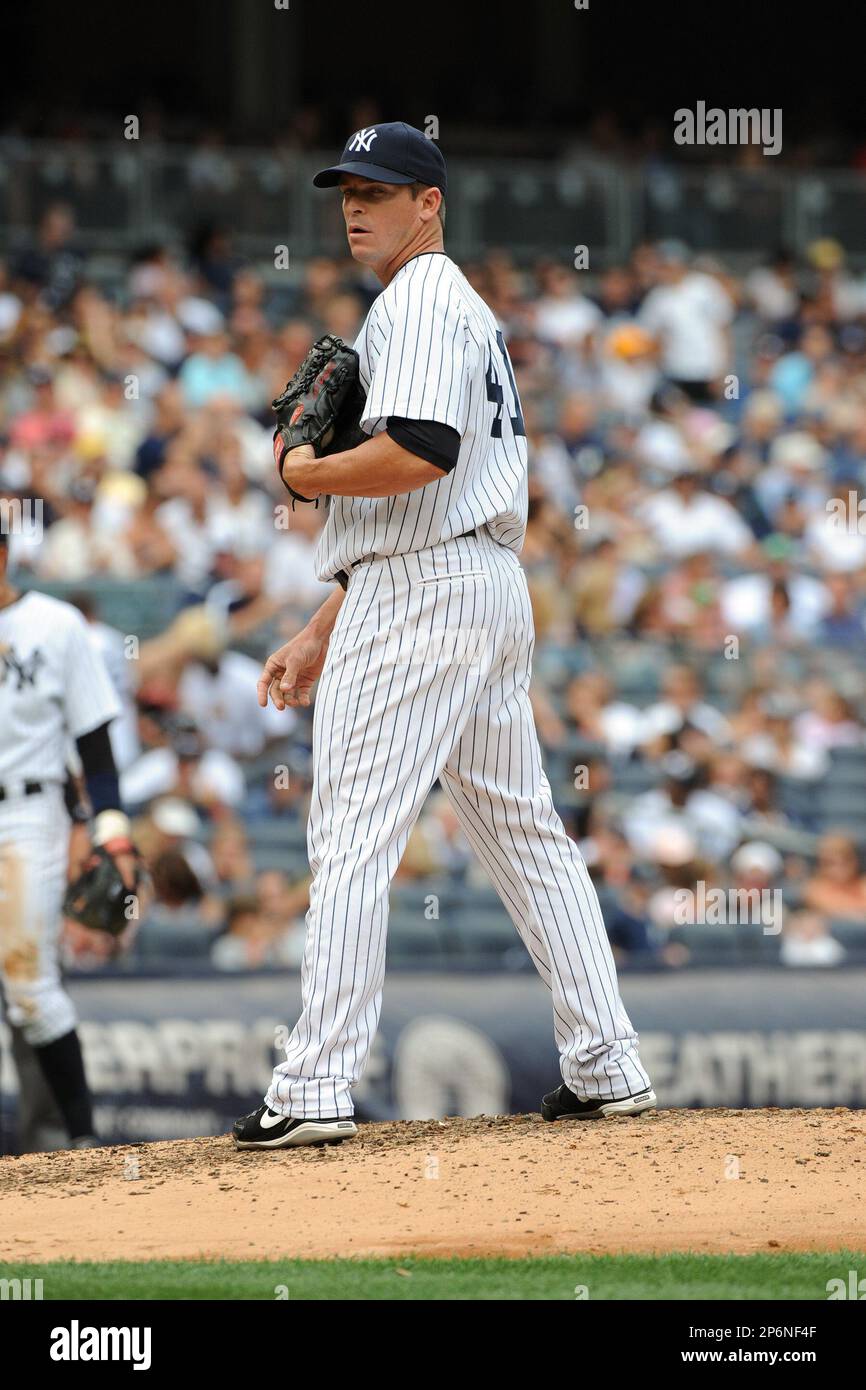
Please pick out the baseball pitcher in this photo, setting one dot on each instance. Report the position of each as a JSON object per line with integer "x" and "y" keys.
{"x": 423, "y": 656}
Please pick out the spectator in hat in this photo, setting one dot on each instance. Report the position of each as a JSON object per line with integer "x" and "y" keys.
{"x": 170, "y": 823}
{"x": 795, "y": 472}
{"x": 757, "y": 869}
{"x": 627, "y": 371}
{"x": 674, "y": 852}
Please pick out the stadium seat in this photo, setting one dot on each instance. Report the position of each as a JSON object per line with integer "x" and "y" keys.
{"x": 849, "y": 933}
{"x": 159, "y": 940}
{"x": 707, "y": 940}
{"x": 486, "y": 933}
{"x": 799, "y": 799}
{"x": 635, "y": 777}
{"x": 142, "y": 606}
{"x": 848, "y": 767}
{"x": 841, "y": 805}
{"x": 412, "y": 939}
{"x": 478, "y": 897}
{"x": 414, "y": 895}
{"x": 283, "y": 858}
{"x": 278, "y": 834}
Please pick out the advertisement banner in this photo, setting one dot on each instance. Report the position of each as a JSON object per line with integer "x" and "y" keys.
{"x": 179, "y": 1057}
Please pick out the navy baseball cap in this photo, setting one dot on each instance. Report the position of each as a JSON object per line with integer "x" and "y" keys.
{"x": 392, "y": 152}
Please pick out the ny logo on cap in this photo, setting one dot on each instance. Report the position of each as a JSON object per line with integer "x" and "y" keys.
{"x": 363, "y": 139}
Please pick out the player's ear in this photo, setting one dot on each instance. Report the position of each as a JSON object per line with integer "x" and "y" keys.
{"x": 430, "y": 201}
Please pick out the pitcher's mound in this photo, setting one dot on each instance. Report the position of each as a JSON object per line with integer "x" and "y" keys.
{"x": 705, "y": 1181}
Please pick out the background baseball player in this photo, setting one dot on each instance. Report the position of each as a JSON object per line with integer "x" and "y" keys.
{"x": 53, "y": 688}
{"x": 424, "y": 653}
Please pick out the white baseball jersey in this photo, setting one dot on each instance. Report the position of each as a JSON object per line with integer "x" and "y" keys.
{"x": 53, "y": 687}
{"x": 430, "y": 349}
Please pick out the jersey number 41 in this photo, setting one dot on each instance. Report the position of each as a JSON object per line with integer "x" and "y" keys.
{"x": 496, "y": 394}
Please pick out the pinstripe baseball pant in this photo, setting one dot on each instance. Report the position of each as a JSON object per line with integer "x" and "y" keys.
{"x": 34, "y": 844}
{"x": 427, "y": 677}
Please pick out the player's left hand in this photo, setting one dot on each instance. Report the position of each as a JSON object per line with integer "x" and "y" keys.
{"x": 294, "y": 472}
{"x": 318, "y": 413}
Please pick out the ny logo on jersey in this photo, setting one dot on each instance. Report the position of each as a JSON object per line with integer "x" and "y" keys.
{"x": 363, "y": 139}
{"x": 25, "y": 670}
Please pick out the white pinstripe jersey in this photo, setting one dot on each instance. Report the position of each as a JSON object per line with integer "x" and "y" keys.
{"x": 430, "y": 349}
{"x": 53, "y": 687}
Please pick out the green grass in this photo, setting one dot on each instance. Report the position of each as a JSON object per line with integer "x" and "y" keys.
{"x": 686, "y": 1277}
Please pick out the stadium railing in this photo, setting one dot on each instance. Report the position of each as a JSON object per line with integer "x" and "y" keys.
{"x": 127, "y": 193}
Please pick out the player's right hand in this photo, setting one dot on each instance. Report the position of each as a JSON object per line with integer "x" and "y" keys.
{"x": 289, "y": 674}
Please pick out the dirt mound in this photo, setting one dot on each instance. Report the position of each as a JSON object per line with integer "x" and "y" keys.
{"x": 710, "y": 1180}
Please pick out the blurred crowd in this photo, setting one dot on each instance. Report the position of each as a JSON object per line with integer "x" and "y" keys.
{"x": 696, "y": 555}
{"x": 604, "y": 136}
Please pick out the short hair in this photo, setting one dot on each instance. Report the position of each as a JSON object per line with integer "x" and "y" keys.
{"x": 174, "y": 882}
{"x": 416, "y": 188}
{"x": 247, "y": 905}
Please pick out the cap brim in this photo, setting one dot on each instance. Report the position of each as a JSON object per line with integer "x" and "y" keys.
{"x": 329, "y": 178}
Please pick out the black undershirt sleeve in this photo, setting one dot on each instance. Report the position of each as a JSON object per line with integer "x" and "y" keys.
{"x": 100, "y": 773}
{"x": 437, "y": 444}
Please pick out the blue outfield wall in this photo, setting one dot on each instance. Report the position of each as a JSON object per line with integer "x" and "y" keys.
{"x": 175, "y": 1057}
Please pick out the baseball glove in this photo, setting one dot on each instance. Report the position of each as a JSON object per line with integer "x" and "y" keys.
{"x": 99, "y": 898}
{"x": 321, "y": 405}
